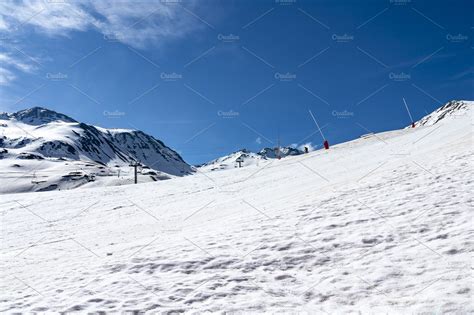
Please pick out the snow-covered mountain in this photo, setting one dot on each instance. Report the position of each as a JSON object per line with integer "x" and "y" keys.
{"x": 356, "y": 229}
{"x": 450, "y": 110}
{"x": 47, "y": 150}
{"x": 36, "y": 116}
{"x": 230, "y": 161}
{"x": 247, "y": 158}
{"x": 279, "y": 152}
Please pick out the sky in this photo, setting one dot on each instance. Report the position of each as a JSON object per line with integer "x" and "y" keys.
{"x": 212, "y": 77}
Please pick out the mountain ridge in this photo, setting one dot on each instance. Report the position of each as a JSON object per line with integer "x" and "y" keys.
{"x": 247, "y": 157}
{"x": 451, "y": 109}
{"x": 36, "y": 116}
{"x": 59, "y": 141}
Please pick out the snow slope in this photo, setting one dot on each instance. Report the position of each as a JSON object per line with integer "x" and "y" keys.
{"x": 381, "y": 224}
{"x": 453, "y": 108}
{"x": 44, "y": 150}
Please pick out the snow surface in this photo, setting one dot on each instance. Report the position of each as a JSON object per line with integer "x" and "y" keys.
{"x": 381, "y": 224}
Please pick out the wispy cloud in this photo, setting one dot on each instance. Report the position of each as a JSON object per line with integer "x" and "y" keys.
{"x": 15, "y": 62}
{"x": 6, "y": 76}
{"x": 11, "y": 62}
{"x": 149, "y": 23}
{"x": 136, "y": 24}
{"x": 48, "y": 17}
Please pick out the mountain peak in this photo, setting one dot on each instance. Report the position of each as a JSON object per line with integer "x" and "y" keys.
{"x": 39, "y": 116}
{"x": 273, "y": 153}
{"x": 451, "y": 109}
{"x": 244, "y": 157}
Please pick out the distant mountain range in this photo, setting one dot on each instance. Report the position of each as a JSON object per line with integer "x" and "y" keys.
{"x": 245, "y": 157}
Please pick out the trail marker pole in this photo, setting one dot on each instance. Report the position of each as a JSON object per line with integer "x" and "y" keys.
{"x": 326, "y": 143}
{"x": 409, "y": 114}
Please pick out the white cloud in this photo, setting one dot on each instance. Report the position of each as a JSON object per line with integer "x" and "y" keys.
{"x": 138, "y": 24}
{"x": 51, "y": 18}
{"x": 3, "y": 24}
{"x": 6, "y": 76}
{"x": 134, "y": 23}
{"x": 8, "y": 60}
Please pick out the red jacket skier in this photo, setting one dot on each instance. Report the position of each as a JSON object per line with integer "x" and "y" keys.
{"x": 326, "y": 144}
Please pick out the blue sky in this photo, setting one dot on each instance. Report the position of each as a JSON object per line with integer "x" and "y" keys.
{"x": 211, "y": 77}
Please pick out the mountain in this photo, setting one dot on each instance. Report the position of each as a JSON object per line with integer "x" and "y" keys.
{"x": 452, "y": 109}
{"x": 36, "y": 116}
{"x": 45, "y": 144}
{"x": 273, "y": 153}
{"x": 230, "y": 161}
{"x": 247, "y": 158}
{"x": 358, "y": 229}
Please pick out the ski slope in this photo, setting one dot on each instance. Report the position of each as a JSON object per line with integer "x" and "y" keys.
{"x": 378, "y": 224}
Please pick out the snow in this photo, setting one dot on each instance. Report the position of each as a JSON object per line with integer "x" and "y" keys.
{"x": 381, "y": 224}
{"x": 114, "y": 130}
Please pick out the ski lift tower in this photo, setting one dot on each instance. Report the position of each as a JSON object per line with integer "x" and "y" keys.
{"x": 135, "y": 165}
{"x": 409, "y": 113}
{"x": 240, "y": 160}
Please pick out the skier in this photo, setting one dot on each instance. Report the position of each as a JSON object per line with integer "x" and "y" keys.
{"x": 326, "y": 144}
{"x": 306, "y": 150}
